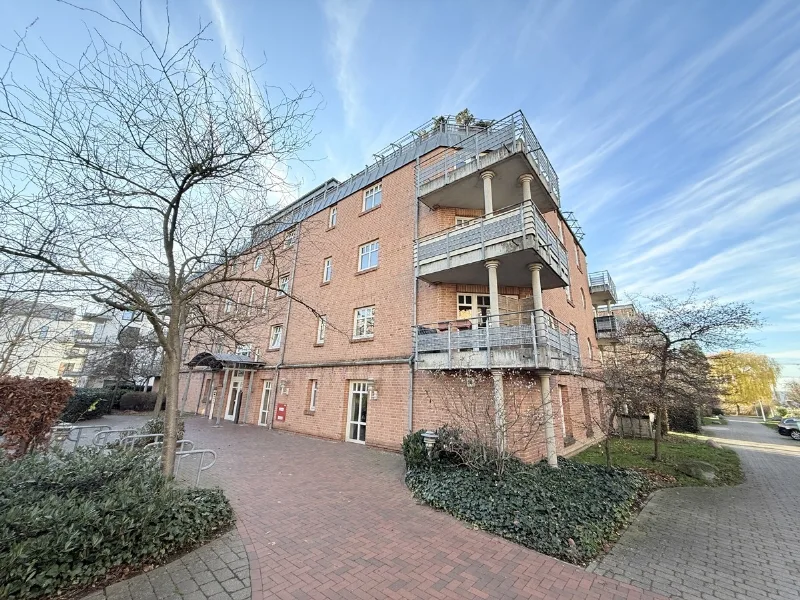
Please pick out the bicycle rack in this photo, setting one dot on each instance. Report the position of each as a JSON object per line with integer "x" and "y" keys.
{"x": 200, "y": 467}
{"x": 59, "y": 429}
{"x": 101, "y": 437}
{"x": 129, "y": 440}
{"x": 182, "y": 443}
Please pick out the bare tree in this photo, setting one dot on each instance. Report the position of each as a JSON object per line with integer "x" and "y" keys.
{"x": 667, "y": 340}
{"x": 480, "y": 436}
{"x": 136, "y": 171}
{"x": 793, "y": 392}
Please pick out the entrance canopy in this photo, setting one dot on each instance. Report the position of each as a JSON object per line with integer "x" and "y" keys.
{"x": 220, "y": 361}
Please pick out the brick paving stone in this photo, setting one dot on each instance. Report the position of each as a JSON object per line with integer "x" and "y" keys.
{"x": 720, "y": 543}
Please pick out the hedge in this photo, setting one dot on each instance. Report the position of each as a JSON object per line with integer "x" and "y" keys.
{"x": 90, "y": 403}
{"x": 684, "y": 419}
{"x": 569, "y": 513}
{"x": 139, "y": 401}
{"x": 67, "y": 519}
{"x": 28, "y": 410}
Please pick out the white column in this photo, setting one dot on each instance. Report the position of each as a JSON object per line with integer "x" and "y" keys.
{"x": 488, "y": 207}
{"x": 494, "y": 293}
{"x": 525, "y": 180}
{"x": 538, "y": 313}
{"x": 549, "y": 429}
{"x": 499, "y": 409}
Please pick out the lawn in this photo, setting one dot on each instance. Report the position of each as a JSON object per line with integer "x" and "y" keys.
{"x": 771, "y": 424}
{"x": 675, "y": 449}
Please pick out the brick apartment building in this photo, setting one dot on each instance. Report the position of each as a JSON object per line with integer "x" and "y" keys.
{"x": 450, "y": 254}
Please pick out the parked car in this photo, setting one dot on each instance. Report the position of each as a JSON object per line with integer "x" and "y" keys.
{"x": 791, "y": 427}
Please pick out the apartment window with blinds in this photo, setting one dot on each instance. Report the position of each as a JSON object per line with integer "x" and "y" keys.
{"x": 364, "y": 323}
{"x": 368, "y": 256}
{"x": 372, "y": 197}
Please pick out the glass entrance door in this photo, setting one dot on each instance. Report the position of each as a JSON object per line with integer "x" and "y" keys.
{"x": 357, "y": 412}
{"x": 263, "y": 417}
{"x": 234, "y": 396}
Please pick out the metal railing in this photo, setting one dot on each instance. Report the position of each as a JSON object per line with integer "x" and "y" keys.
{"x": 606, "y": 326}
{"x": 521, "y": 219}
{"x": 101, "y": 440}
{"x": 200, "y": 466}
{"x": 485, "y": 147}
{"x": 63, "y": 433}
{"x": 554, "y": 344}
{"x": 600, "y": 281}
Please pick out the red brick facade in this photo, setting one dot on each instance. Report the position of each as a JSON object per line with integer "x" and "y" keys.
{"x": 383, "y": 361}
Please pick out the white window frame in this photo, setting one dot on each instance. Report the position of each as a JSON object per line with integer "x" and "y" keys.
{"x": 266, "y": 391}
{"x": 31, "y": 369}
{"x": 591, "y": 350}
{"x": 568, "y": 292}
{"x": 289, "y": 238}
{"x": 327, "y": 269}
{"x": 250, "y": 302}
{"x": 560, "y": 231}
{"x": 332, "y": 214}
{"x": 463, "y": 221}
{"x": 367, "y": 251}
{"x": 370, "y": 196}
{"x": 257, "y": 262}
{"x": 264, "y": 300}
{"x": 583, "y": 298}
{"x": 43, "y": 331}
{"x": 243, "y": 349}
{"x": 127, "y": 315}
{"x": 363, "y": 320}
{"x": 275, "y": 340}
{"x": 312, "y": 404}
{"x": 283, "y": 286}
{"x": 228, "y": 305}
{"x": 578, "y": 257}
{"x": 322, "y": 323}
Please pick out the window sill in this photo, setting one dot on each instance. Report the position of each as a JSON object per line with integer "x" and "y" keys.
{"x": 369, "y": 210}
{"x": 370, "y": 270}
{"x": 319, "y": 345}
{"x": 309, "y": 413}
{"x": 324, "y": 283}
{"x": 330, "y": 228}
{"x": 360, "y": 340}
{"x": 571, "y": 303}
{"x": 273, "y": 349}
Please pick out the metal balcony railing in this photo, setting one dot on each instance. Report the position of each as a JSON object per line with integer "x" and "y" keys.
{"x": 606, "y": 327}
{"x": 522, "y": 219}
{"x": 600, "y": 281}
{"x": 486, "y": 146}
{"x": 542, "y": 341}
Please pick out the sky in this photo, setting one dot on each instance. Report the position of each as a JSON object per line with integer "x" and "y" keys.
{"x": 674, "y": 127}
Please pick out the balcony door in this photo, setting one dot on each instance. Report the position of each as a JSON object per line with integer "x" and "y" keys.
{"x": 474, "y": 307}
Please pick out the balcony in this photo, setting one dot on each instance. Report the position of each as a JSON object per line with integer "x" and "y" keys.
{"x": 607, "y": 329}
{"x": 451, "y": 175}
{"x": 517, "y": 236}
{"x": 508, "y": 340}
{"x": 602, "y": 288}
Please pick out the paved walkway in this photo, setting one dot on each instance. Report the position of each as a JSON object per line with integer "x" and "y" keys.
{"x": 721, "y": 543}
{"x": 334, "y": 520}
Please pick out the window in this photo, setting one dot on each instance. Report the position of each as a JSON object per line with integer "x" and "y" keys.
{"x": 591, "y": 351}
{"x": 257, "y": 262}
{"x": 560, "y": 231}
{"x": 31, "y": 368}
{"x": 43, "y": 332}
{"x": 289, "y": 238}
{"x": 238, "y": 301}
{"x": 364, "y": 323}
{"x": 583, "y": 298}
{"x": 332, "y": 217}
{"x": 312, "y": 403}
{"x": 461, "y": 221}
{"x": 264, "y": 300}
{"x": 578, "y": 257}
{"x": 327, "y": 270}
{"x": 568, "y": 292}
{"x": 275, "y": 337}
{"x": 587, "y": 412}
{"x": 243, "y": 349}
{"x": 127, "y": 315}
{"x": 322, "y": 323}
{"x": 250, "y": 301}
{"x": 228, "y": 305}
{"x": 368, "y": 256}
{"x": 283, "y": 286}
{"x": 263, "y": 415}
{"x": 372, "y": 197}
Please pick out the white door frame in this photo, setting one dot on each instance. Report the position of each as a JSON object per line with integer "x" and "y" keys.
{"x": 266, "y": 392}
{"x": 359, "y": 388}
{"x": 237, "y": 383}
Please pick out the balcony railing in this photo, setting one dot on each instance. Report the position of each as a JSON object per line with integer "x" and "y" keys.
{"x": 529, "y": 339}
{"x": 485, "y": 147}
{"x": 600, "y": 283}
{"x": 521, "y": 220}
{"x": 606, "y": 327}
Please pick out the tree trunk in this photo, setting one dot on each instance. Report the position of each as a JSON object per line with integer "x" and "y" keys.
{"x": 657, "y": 438}
{"x": 607, "y": 441}
{"x": 170, "y": 372}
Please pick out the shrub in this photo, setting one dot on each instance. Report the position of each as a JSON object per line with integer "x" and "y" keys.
{"x": 414, "y": 450}
{"x": 66, "y": 519}
{"x": 157, "y": 426}
{"x": 90, "y": 403}
{"x": 28, "y": 410}
{"x": 781, "y": 411}
{"x": 568, "y": 513}
{"x": 717, "y": 411}
{"x": 684, "y": 419}
{"x": 139, "y": 401}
